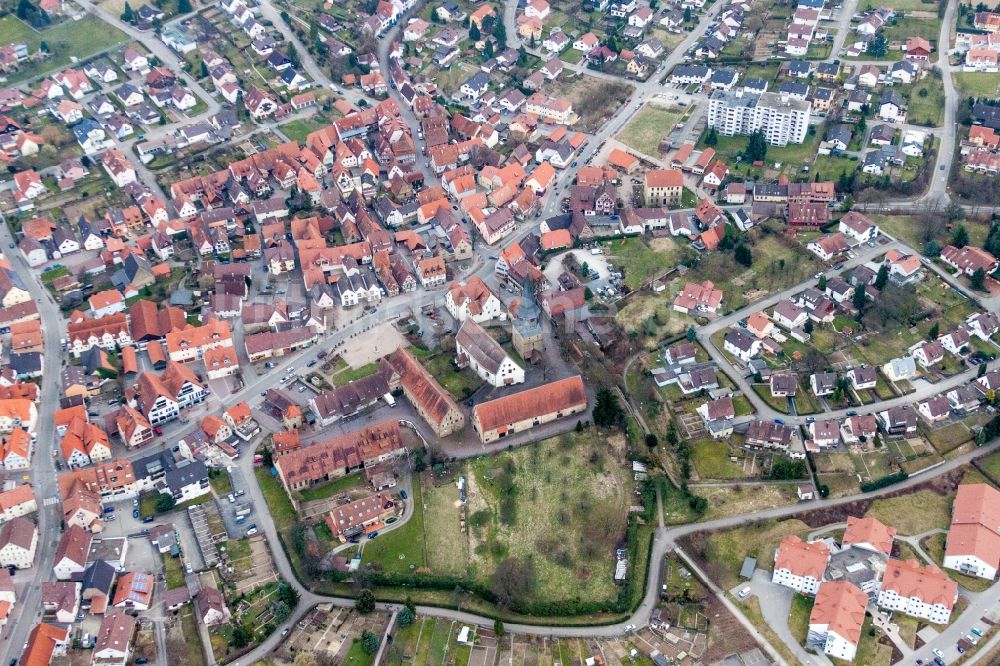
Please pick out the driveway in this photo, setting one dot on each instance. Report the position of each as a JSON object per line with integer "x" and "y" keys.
{"x": 776, "y": 605}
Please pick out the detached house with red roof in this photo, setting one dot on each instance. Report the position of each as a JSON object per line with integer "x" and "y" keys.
{"x": 973, "y": 546}
{"x": 800, "y": 564}
{"x": 702, "y": 297}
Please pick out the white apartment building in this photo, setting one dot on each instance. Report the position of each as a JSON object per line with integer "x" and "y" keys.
{"x": 783, "y": 119}
{"x": 925, "y": 592}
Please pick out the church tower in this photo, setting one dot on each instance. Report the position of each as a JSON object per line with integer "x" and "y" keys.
{"x": 527, "y": 325}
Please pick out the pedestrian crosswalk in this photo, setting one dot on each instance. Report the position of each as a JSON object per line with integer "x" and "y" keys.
{"x": 49, "y": 501}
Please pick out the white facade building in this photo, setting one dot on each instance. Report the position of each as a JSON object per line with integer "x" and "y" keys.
{"x": 783, "y": 119}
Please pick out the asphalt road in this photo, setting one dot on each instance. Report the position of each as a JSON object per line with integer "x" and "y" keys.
{"x": 43, "y": 474}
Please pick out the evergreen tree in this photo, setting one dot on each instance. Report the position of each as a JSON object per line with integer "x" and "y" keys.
{"x": 366, "y": 602}
{"x": 960, "y": 236}
{"x": 756, "y": 147}
{"x": 183, "y": 6}
{"x": 859, "y": 300}
{"x": 474, "y": 33}
{"x": 405, "y": 617}
{"x": 821, "y": 283}
{"x": 978, "y": 279}
{"x": 204, "y": 69}
{"x": 687, "y": 14}
{"x": 369, "y": 641}
{"x": 932, "y": 334}
{"x": 500, "y": 33}
{"x": 992, "y": 242}
{"x": 879, "y": 46}
{"x": 743, "y": 255}
{"x": 607, "y": 411}
{"x": 692, "y": 334}
{"x": 882, "y": 278}
{"x": 932, "y": 249}
{"x": 712, "y": 138}
{"x": 128, "y": 16}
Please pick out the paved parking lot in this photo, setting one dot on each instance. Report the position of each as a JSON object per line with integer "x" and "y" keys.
{"x": 228, "y": 509}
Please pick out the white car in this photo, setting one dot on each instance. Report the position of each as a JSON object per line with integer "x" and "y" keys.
{"x": 629, "y": 628}
{"x": 744, "y": 593}
{"x": 938, "y": 653}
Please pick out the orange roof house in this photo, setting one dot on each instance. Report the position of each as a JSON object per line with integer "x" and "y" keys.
{"x": 44, "y": 642}
{"x": 621, "y": 160}
{"x": 556, "y": 240}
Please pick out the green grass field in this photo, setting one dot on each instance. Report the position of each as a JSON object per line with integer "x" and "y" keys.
{"x": 725, "y": 550}
{"x": 459, "y": 383}
{"x": 637, "y": 261}
{"x": 569, "y": 503}
{"x": 400, "y": 549}
{"x": 776, "y": 266}
{"x": 221, "y": 483}
{"x": 298, "y": 130}
{"x": 949, "y": 437}
{"x": 348, "y": 374}
{"x": 644, "y": 132}
{"x": 80, "y": 39}
{"x": 357, "y": 656}
{"x": 991, "y": 465}
{"x": 977, "y": 84}
{"x": 926, "y": 102}
{"x": 910, "y": 5}
{"x": 903, "y": 29}
{"x": 173, "y": 571}
{"x": 792, "y": 157}
{"x": 798, "y": 618}
{"x": 331, "y": 488}
{"x": 711, "y": 460}
{"x": 914, "y": 513}
{"x": 569, "y": 506}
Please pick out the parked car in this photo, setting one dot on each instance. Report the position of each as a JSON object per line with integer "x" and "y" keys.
{"x": 744, "y": 593}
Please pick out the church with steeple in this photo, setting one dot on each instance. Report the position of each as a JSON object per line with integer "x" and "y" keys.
{"x": 527, "y": 322}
